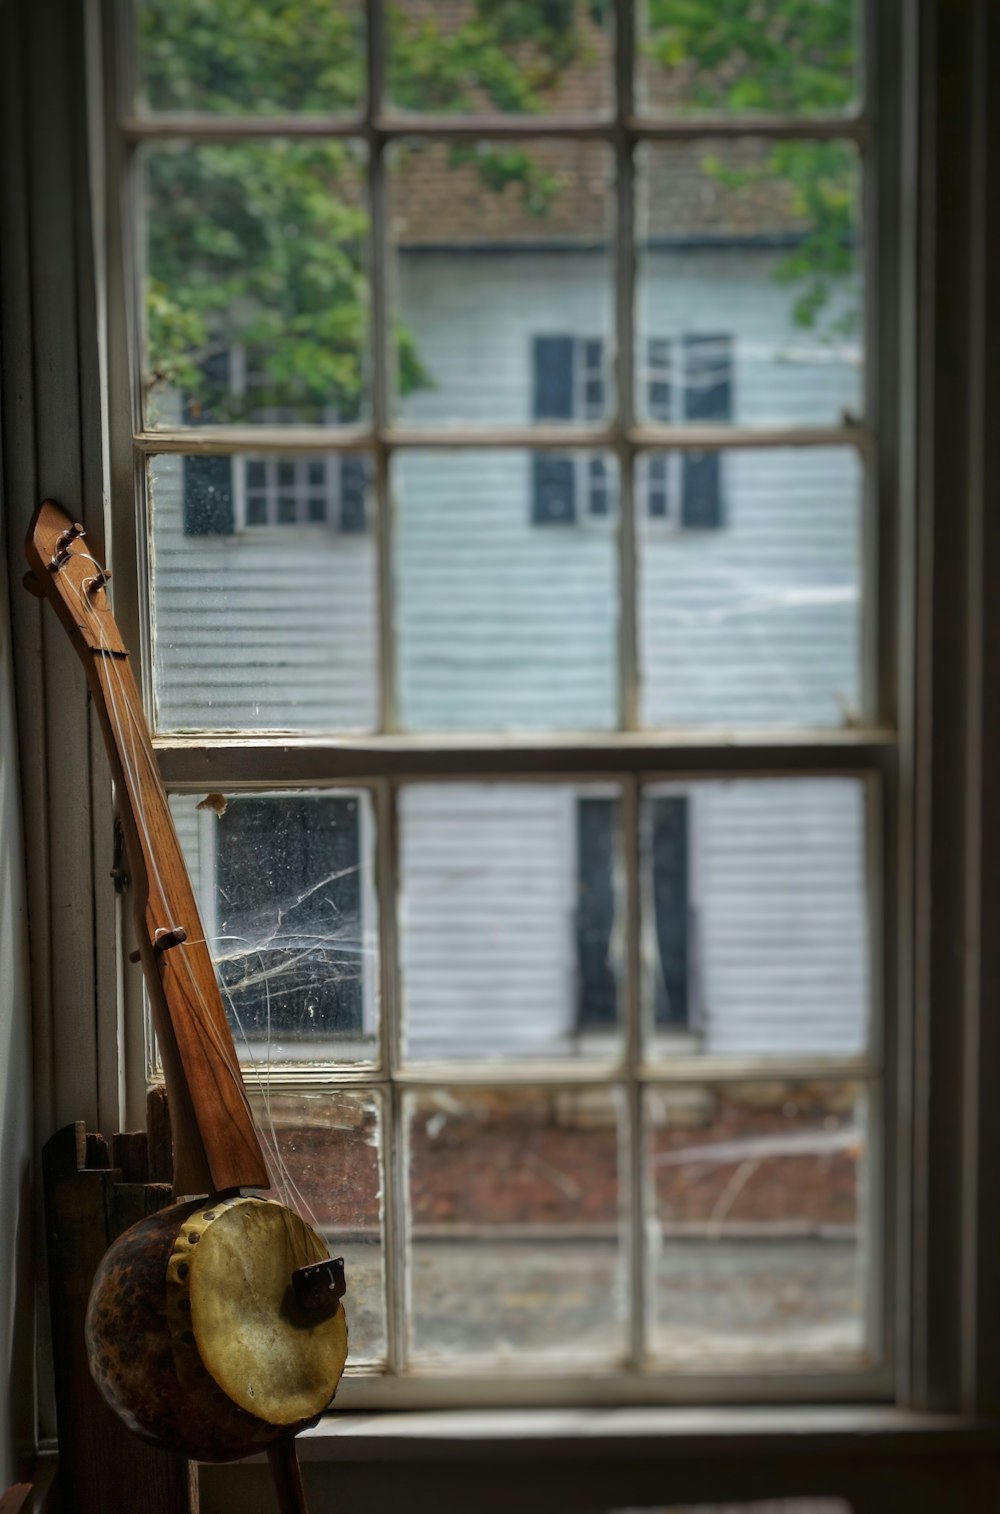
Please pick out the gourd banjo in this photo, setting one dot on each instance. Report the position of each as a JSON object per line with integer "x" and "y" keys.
{"x": 214, "y": 1327}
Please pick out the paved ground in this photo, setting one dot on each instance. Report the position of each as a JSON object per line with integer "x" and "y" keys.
{"x": 712, "y": 1301}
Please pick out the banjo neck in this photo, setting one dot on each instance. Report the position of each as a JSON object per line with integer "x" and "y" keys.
{"x": 216, "y": 1147}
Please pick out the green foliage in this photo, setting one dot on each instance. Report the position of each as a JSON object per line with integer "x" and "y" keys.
{"x": 777, "y": 57}
{"x": 264, "y": 245}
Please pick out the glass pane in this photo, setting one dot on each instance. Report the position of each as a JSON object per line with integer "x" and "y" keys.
{"x": 749, "y": 574}
{"x": 510, "y": 920}
{"x": 506, "y": 591}
{"x": 257, "y": 286}
{"x": 286, "y": 889}
{"x": 260, "y": 57}
{"x": 259, "y": 629}
{"x": 755, "y": 917}
{"x": 330, "y": 1145}
{"x": 779, "y": 57}
{"x": 515, "y": 1250}
{"x": 503, "y": 281}
{"x": 758, "y": 1250}
{"x": 750, "y": 282}
{"x": 473, "y": 58}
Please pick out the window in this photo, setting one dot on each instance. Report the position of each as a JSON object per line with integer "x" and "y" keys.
{"x": 551, "y": 861}
{"x": 568, "y": 384}
{"x": 289, "y": 954}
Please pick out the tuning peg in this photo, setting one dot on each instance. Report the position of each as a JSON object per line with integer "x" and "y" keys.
{"x": 63, "y": 544}
{"x": 100, "y": 578}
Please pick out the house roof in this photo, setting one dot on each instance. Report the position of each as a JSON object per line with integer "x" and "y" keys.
{"x": 436, "y": 199}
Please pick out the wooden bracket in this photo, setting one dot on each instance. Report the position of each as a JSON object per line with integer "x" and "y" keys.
{"x": 88, "y": 1203}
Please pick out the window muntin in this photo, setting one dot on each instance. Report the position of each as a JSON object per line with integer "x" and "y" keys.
{"x": 635, "y": 437}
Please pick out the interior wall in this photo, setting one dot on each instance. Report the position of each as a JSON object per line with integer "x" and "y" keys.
{"x": 16, "y": 1289}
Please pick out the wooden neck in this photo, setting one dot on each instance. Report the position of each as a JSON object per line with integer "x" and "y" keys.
{"x": 216, "y": 1146}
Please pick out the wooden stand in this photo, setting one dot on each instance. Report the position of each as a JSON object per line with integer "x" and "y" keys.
{"x": 91, "y": 1196}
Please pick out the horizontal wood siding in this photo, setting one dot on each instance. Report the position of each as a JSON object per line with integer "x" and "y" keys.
{"x": 503, "y": 624}
{"x": 486, "y": 900}
{"x": 269, "y": 627}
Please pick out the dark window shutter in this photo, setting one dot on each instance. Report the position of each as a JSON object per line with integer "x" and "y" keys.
{"x": 597, "y": 1000}
{"x": 553, "y": 491}
{"x": 208, "y": 496}
{"x": 353, "y": 493}
{"x": 708, "y": 396}
{"x": 552, "y": 360}
{"x": 671, "y": 909}
{"x": 288, "y": 880}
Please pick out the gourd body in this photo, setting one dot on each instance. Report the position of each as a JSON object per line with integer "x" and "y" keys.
{"x": 194, "y": 1334}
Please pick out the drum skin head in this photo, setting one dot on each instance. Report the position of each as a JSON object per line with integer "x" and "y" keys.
{"x": 232, "y": 1265}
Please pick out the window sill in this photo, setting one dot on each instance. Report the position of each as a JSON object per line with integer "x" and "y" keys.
{"x": 526, "y": 1434}
{"x": 597, "y": 1461}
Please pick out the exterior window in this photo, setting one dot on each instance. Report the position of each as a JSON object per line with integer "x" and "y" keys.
{"x": 290, "y": 960}
{"x": 550, "y": 865}
{"x": 568, "y": 384}
{"x": 225, "y": 494}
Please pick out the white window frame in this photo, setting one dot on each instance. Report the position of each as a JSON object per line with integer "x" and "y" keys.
{"x": 629, "y": 757}
{"x": 939, "y": 451}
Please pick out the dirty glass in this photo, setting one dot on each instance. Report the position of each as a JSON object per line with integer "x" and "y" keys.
{"x": 779, "y": 57}
{"x": 758, "y": 1240}
{"x": 750, "y": 591}
{"x": 755, "y": 919}
{"x": 324, "y": 1154}
{"x": 750, "y": 305}
{"x": 511, "y": 928}
{"x": 505, "y": 577}
{"x": 285, "y": 885}
{"x": 513, "y": 1238}
{"x": 502, "y": 272}
{"x": 250, "y": 57}
{"x": 257, "y": 284}
{"x": 471, "y": 58}
{"x": 263, "y": 617}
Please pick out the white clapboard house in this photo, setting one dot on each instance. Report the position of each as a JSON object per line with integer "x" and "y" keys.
{"x": 506, "y": 619}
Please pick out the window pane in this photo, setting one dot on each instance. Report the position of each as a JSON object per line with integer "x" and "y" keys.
{"x": 750, "y": 587}
{"x": 261, "y": 57}
{"x": 330, "y": 1144}
{"x": 506, "y": 591}
{"x": 514, "y": 1229}
{"x": 470, "y": 58}
{"x": 511, "y": 931}
{"x": 759, "y": 1244}
{"x": 785, "y": 57}
{"x": 755, "y": 916}
{"x": 260, "y": 630}
{"x": 286, "y": 889}
{"x": 503, "y": 281}
{"x": 749, "y": 291}
{"x": 257, "y": 286}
